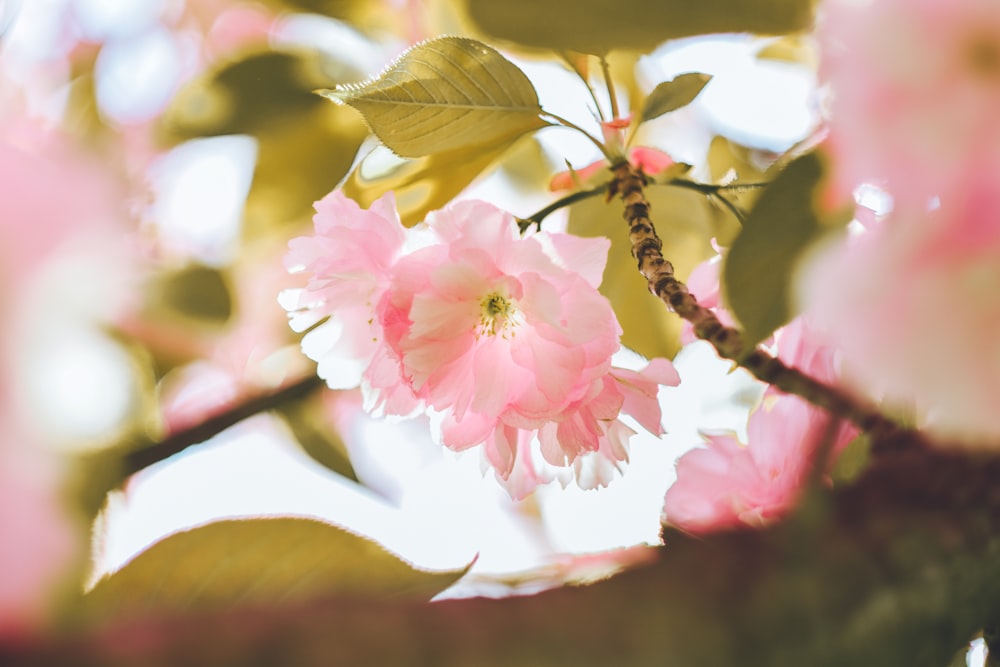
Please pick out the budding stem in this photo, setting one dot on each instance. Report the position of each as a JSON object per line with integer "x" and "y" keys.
{"x": 629, "y": 184}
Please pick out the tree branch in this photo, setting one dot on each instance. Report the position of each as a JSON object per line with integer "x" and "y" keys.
{"x": 629, "y": 184}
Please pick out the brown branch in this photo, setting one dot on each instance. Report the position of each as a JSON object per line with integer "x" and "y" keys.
{"x": 181, "y": 440}
{"x": 629, "y": 184}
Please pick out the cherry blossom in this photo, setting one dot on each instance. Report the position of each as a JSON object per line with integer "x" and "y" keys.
{"x": 504, "y": 339}
{"x": 728, "y": 484}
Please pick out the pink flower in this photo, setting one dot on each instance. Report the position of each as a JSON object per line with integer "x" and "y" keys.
{"x": 487, "y": 324}
{"x": 915, "y": 91}
{"x": 503, "y": 338}
{"x": 349, "y": 261}
{"x": 728, "y": 484}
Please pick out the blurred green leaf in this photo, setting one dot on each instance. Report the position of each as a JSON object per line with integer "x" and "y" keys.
{"x": 316, "y": 435}
{"x": 686, "y": 222}
{"x": 598, "y": 26}
{"x": 257, "y": 561}
{"x": 299, "y": 163}
{"x": 260, "y": 91}
{"x": 421, "y": 184}
{"x": 674, "y": 94}
{"x": 443, "y": 95}
{"x": 196, "y": 293}
{"x": 305, "y": 146}
{"x": 759, "y": 268}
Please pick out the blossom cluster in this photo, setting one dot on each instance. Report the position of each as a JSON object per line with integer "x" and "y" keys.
{"x": 503, "y": 339}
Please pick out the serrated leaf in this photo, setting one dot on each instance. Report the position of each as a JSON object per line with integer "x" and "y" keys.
{"x": 258, "y": 561}
{"x": 421, "y": 184}
{"x": 598, "y": 26}
{"x": 760, "y": 265}
{"x": 674, "y": 94}
{"x": 445, "y": 94}
{"x": 686, "y": 221}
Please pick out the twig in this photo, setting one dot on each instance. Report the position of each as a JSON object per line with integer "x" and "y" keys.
{"x": 181, "y": 440}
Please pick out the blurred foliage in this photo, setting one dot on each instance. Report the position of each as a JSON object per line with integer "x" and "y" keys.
{"x": 598, "y": 26}
{"x": 444, "y": 95}
{"x": 273, "y": 561}
{"x": 305, "y": 145}
{"x": 899, "y": 568}
{"x": 758, "y": 273}
{"x": 199, "y": 294}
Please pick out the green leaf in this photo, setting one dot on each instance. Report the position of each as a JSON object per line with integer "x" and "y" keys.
{"x": 258, "y": 561}
{"x": 421, "y": 184}
{"x": 598, "y": 26}
{"x": 674, "y": 94}
{"x": 686, "y": 221}
{"x": 760, "y": 266}
{"x": 445, "y": 94}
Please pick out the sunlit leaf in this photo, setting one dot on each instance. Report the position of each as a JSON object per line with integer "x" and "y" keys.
{"x": 674, "y": 94}
{"x": 760, "y": 265}
{"x": 686, "y": 222}
{"x": 597, "y": 26}
{"x": 421, "y": 184}
{"x": 443, "y": 95}
{"x": 258, "y": 561}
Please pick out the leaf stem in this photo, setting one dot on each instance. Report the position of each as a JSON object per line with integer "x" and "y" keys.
{"x": 629, "y": 185}
{"x": 610, "y": 83}
{"x": 573, "y": 126}
{"x": 579, "y": 195}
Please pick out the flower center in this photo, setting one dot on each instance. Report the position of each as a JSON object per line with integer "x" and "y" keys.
{"x": 498, "y": 316}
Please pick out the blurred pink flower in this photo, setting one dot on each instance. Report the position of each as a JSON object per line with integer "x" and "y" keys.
{"x": 913, "y": 303}
{"x": 727, "y": 484}
{"x": 503, "y": 338}
{"x": 915, "y": 90}
{"x": 38, "y": 542}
